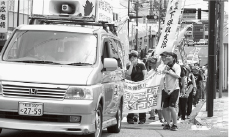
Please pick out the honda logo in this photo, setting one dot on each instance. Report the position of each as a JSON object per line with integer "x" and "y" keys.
{"x": 33, "y": 91}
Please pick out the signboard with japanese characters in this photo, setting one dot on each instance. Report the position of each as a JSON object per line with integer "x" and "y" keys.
{"x": 104, "y": 11}
{"x": 168, "y": 34}
{"x": 3, "y": 16}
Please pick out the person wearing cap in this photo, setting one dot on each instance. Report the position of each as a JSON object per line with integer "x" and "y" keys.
{"x": 161, "y": 68}
{"x": 137, "y": 72}
{"x": 171, "y": 90}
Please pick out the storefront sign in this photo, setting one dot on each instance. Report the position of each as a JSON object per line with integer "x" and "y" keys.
{"x": 3, "y": 16}
{"x": 104, "y": 11}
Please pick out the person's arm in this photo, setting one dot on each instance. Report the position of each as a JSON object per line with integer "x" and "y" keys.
{"x": 194, "y": 84}
{"x": 183, "y": 85}
{"x": 144, "y": 73}
{"x": 129, "y": 70}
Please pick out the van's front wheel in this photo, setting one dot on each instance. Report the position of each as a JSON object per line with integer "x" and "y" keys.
{"x": 116, "y": 128}
{"x": 98, "y": 123}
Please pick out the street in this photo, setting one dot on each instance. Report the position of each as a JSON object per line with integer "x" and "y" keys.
{"x": 149, "y": 131}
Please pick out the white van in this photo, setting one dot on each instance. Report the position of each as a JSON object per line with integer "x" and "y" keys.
{"x": 62, "y": 78}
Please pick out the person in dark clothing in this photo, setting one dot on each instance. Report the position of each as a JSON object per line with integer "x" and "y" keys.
{"x": 198, "y": 78}
{"x": 137, "y": 72}
{"x": 188, "y": 83}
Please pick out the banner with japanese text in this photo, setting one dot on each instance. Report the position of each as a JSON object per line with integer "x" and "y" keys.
{"x": 3, "y": 19}
{"x": 180, "y": 44}
{"x": 168, "y": 34}
{"x": 144, "y": 95}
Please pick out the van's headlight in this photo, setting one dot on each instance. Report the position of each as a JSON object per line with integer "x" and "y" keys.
{"x": 79, "y": 93}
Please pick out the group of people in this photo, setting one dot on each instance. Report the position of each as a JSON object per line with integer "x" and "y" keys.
{"x": 183, "y": 86}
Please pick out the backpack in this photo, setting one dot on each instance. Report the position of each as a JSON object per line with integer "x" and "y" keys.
{"x": 183, "y": 73}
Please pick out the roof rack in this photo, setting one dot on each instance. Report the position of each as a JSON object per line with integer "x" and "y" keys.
{"x": 40, "y": 19}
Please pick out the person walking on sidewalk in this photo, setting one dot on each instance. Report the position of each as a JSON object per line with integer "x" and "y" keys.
{"x": 187, "y": 80}
{"x": 197, "y": 74}
{"x": 171, "y": 90}
{"x": 137, "y": 71}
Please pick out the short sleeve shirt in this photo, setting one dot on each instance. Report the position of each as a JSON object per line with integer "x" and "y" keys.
{"x": 171, "y": 82}
{"x": 137, "y": 74}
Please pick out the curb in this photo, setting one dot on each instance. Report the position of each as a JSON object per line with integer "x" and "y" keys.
{"x": 195, "y": 112}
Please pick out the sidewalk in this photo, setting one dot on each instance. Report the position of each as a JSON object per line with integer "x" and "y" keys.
{"x": 220, "y": 114}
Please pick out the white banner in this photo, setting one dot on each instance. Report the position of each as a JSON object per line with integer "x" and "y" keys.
{"x": 168, "y": 36}
{"x": 144, "y": 95}
{"x": 3, "y": 16}
{"x": 104, "y": 11}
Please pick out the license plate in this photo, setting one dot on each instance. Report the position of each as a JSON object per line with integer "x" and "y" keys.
{"x": 31, "y": 109}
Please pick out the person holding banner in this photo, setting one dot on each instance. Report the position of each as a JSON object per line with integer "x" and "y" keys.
{"x": 137, "y": 71}
{"x": 171, "y": 90}
{"x": 152, "y": 64}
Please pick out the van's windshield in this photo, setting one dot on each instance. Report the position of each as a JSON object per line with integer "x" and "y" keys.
{"x": 52, "y": 46}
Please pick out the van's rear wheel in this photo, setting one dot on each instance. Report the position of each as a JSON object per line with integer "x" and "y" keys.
{"x": 98, "y": 123}
{"x": 0, "y": 130}
{"x": 117, "y": 128}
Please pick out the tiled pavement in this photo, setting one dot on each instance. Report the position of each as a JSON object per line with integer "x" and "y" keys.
{"x": 220, "y": 115}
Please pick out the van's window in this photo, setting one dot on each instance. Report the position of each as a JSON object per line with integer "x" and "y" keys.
{"x": 61, "y": 47}
{"x": 110, "y": 50}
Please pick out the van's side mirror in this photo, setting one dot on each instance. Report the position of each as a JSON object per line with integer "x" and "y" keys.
{"x": 110, "y": 64}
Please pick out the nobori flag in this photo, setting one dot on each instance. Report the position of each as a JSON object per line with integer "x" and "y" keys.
{"x": 168, "y": 34}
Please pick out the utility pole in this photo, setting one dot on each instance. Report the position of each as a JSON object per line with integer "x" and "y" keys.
{"x": 136, "y": 8}
{"x": 211, "y": 58}
{"x": 18, "y": 10}
{"x": 221, "y": 65}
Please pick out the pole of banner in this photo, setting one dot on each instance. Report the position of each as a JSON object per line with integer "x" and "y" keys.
{"x": 128, "y": 24}
{"x": 18, "y": 10}
{"x": 221, "y": 65}
{"x": 136, "y": 8}
{"x": 159, "y": 22}
{"x": 150, "y": 13}
{"x": 211, "y": 57}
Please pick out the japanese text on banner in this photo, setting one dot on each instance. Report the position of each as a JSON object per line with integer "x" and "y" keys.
{"x": 3, "y": 16}
{"x": 168, "y": 36}
{"x": 144, "y": 95}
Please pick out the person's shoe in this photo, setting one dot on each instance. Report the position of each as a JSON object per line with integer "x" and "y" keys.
{"x": 151, "y": 118}
{"x": 188, "y": 117}
{"x": 178, "y": 117}
{"x": 135, "y": 119}
{"x": 161, "y": 121}
{"x": 166, "y": 127}
{"x": 174, "y": 128}
{"x": 130, "y": 122}
{"x": 141, "y": 122}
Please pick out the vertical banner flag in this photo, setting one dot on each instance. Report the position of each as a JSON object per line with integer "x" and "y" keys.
{"x": 181, "y": 42}
{"x": 144, "y": 95}
{"x": 3, "y": 19}
{"x": 168, "y": 36}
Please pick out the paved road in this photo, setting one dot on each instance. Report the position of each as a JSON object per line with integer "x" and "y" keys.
{"x": 152, "y": 131}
